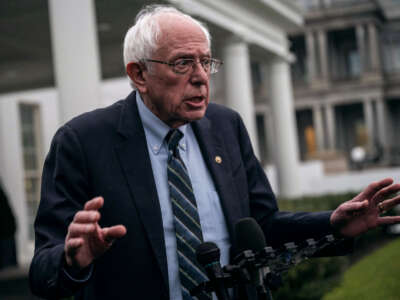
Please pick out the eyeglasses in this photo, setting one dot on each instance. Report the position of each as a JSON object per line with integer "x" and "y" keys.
{"x": 183, "y": 65}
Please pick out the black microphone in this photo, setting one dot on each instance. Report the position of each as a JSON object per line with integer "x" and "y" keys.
{"x": 250, "y": 236}
{"x": 208, "y": 255}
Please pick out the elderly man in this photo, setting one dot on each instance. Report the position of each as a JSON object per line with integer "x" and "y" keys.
{"x": 130, "y": 191}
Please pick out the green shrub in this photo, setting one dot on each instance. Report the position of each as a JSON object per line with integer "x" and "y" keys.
{"x": 315, "y": 203}
{"x": 311, "y": 279}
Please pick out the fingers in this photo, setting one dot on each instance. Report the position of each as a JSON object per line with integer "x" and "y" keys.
{"x": 388, "y": 220}
{"x": 389, "y": 204}
{"x": 80, "y": 230}
{"x": 84, "y": 216}
{"x": 94, "y": 204}
{"x": 375, "y": 187}
{"x": 85, "y": 221}
{"x": 72, "y": 246}
{"x": 385, "y": 193}
{"x": 110, "y": 234}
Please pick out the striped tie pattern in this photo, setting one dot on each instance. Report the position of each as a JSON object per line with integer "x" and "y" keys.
{"x": 186, "y": 218}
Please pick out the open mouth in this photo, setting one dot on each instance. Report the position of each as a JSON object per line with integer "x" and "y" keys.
{"x": 195, "y": 102}
{"x": 195, "y": 99}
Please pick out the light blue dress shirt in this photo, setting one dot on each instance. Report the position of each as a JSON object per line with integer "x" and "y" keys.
{"x": 208, "y": 204}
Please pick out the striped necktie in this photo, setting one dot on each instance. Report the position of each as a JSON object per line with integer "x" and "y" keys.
{"x": 186, "y": 218}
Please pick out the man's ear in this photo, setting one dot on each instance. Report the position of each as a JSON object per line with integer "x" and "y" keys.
{"x": 135, "y": 72}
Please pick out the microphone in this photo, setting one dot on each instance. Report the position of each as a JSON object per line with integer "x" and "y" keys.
{"x": 250, "y": 237}
{"x": 208, "y": 255}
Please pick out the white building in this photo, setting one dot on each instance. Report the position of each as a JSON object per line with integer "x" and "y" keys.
{"x": 85, "y": 57}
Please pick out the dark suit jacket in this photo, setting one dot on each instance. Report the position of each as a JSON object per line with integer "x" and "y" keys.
{"x": 7, "y": 220}
{"x": 104, "y": 153}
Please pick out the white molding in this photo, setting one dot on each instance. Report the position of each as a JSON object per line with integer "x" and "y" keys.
{"x": 289, "y": 10}
{"x": 239, "y": 13}
{"x": 235, "y": 18}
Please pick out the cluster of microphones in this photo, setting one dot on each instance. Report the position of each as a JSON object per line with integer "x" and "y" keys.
{"x": 257, "y": 265}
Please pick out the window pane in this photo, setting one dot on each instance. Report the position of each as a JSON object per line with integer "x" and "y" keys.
{"x": 30, "y": 139}
{"x": 354, "y": 63}
{"x": 26, "y": 115}
{"x": 30, "y": 161}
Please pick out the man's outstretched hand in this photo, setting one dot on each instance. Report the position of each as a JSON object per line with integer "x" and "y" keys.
{"x": 363, "y": 212}
{"x": 86, "y": 240}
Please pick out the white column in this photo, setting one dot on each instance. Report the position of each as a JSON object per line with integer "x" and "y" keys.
{"x": 270, "y": 133}
{"x": 369, "y": 121}
{"x": 360, "y": 33}
{"x": 311, "y": 56}
{"x": 75, "y": 55}
{"x": 330, "y": 126}
{"x": 381, "y": 118}
{"x": 323, "y": 54}
{"x": 287, "y": 153}
{"x": 319, "y": 130}
{"x": 238, "y": 86}
{"x": 374, "y": 47}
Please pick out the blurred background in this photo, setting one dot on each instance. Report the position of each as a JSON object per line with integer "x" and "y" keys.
{"x": 316, "y": 82}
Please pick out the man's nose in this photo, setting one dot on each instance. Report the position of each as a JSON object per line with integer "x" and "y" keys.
{"x": 199, "y": 74}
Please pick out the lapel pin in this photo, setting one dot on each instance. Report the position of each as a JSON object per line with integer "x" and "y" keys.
{"x": 218, "y": 159}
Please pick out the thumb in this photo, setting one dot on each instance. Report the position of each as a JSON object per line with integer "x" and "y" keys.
{"x": 110, "y": 234}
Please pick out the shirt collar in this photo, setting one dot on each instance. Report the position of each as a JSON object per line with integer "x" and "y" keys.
{"x": 155, "y": 129}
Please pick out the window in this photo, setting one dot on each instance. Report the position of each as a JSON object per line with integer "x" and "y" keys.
{"x": 262, "y": 138}
{"x": 300, "y": 73}
{"x": 31, "y": 149}
{"x": 391, "y": 51}
{"x": 345, "y": 56}
{"x": 256, "y": 76}
{"x": 353, "y": 63}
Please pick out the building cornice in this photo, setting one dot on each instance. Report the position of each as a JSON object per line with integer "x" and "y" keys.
{"x": 246, "y": 21}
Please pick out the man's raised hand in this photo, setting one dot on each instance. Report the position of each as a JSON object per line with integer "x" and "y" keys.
{"x": 86, "y": 240}
{"x": 363, "y": 212}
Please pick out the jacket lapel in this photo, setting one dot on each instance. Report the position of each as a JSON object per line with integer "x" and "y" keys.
{"x": 135, "y": 161}
{"x": 216, "y": 158}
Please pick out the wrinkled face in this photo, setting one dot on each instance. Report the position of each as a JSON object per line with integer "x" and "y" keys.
{"x": 177, "y": 98}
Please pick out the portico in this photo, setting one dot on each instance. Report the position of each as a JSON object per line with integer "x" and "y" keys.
{"x": 262, "y": 26}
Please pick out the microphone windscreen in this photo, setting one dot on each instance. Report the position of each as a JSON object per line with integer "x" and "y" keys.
{"x": 249, "y": 235}
{"x": 207, "y": 252}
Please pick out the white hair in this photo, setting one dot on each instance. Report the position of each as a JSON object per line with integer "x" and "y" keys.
{"x": 141, "y": 39}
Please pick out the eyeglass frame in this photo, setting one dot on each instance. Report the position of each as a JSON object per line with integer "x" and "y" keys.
{"x": 194, "y": 61}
